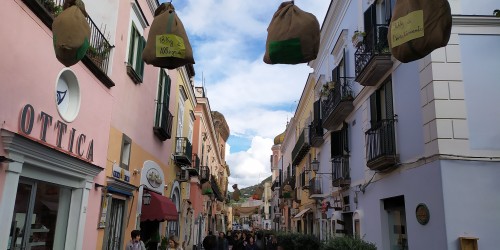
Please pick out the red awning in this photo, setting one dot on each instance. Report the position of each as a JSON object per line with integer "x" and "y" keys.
{"x": 160, "y": 209}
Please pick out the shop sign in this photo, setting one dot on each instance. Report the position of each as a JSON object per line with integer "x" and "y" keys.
{"x": 75, "y": 141}
{"x": 154, "y": 178}
{"x": 121, "y": 173}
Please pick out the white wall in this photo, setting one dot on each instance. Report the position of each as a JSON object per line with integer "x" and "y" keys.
{"x": 472, "y": 202}
{"x": 481, "y": 64}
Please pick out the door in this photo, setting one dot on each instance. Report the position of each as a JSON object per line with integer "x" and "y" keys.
{"x": 115, "y": 235}
{"x": 40, "y": 216}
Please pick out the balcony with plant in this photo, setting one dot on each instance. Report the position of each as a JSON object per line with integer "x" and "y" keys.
{"x": 338, "y": 104}
{"x": 98, "y": 54}
{"x": 373, "y": 56}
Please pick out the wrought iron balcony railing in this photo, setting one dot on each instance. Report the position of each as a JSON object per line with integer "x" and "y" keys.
{"x": 204, "y": 173}
{"x": 301, "y": 147}
{"x": 194, "y": 168}
{"x": 316, "y": 132}
{"x": 373, "y": 56}
{"x": 341, "y": 171}
{"x": 97, "y": 57}
{"x": 183, "y": 151}
{"x": 338, "y": 104}
{"x": 381, "y": 145}
{"x": 163, "y": 122}
{"x": 315, "y": 186}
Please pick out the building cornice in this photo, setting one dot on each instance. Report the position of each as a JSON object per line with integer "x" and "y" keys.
{"x": 475, "y": 20}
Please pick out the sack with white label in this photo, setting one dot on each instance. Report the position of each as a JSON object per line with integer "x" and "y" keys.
{"x": 167, "y": 45}
{"x": 418, "y": 27}
{"x": 71, "y": 33}
{"x": 292, "y": 36}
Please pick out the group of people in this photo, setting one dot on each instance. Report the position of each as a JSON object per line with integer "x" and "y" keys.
{"x": 136, "y": 243}
{"x": 240, "y": 241}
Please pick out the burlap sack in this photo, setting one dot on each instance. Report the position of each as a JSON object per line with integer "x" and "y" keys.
{"x": 292, "y": 36}
{"x": 71, "y": 34}
{"x": 236, "y": 193}
{"x": 167, "y": 45}
{"x": 418, "y": 27}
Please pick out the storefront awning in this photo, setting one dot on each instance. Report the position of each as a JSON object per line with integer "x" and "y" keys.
{"x": 299, "y": 215}
{"x": 161, "y": 208}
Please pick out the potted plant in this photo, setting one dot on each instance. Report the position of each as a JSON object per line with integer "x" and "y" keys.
{"x": 357, "y": 38}
{"x": 327, "y": 88}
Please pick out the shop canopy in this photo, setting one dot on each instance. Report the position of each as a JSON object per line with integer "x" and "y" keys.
{"x": 161, "y": 208}
{"x": 299, "y": 215}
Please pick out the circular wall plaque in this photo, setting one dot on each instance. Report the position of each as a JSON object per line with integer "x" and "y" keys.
{"x": 67, "y": 95}
{"x": 422, "y": 213}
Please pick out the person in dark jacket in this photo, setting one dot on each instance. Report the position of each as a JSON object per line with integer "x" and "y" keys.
{"x": 210, "y": 241}
{"x": 222, "y": 242}
{"x": 251, "y": 244}
{"x": 273, "y": 243}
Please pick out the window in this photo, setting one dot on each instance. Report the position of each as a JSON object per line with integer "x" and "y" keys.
{"x": 135, "y": 64}
{"x": 163, "y": 118}
{"x": 385, "y": 10}
{"x": 396, "y": 215}
{"x": 125, "y": 154}
{"x": 381, "y": 106}
{"x": 340, "y": 142}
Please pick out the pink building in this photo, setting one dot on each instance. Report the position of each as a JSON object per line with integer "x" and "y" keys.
{"x": 53, "y": 138}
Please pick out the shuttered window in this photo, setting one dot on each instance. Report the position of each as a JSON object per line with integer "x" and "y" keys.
{"x": 136, "y": 46}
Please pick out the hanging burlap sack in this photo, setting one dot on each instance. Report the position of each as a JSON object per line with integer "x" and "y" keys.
{"x": 418, "y": 27}
{"x": 236, "y": 193}
{"x": 292, "y": 37}
{"x": 167, "y": 45}
{"x": 258, "y": 192}
{"x": 71, "y": 33}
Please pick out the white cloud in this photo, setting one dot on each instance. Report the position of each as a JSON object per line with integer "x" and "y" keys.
{"x": 251, "y": 166}
{"x": 228, "y": 39}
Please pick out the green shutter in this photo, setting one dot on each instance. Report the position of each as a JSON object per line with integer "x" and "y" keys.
{"x": 139, "y": 62}
{"x": 131, "y": 45}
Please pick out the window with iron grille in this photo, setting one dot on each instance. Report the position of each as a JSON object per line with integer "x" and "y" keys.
{"x": 340, "y": 142}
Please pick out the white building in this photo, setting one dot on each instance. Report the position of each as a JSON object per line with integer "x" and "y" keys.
{"x": 413, "y": 157}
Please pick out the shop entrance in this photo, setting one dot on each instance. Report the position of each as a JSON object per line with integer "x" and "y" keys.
{"x": 40, "y": 216}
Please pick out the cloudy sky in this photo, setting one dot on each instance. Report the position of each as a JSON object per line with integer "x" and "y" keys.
{"x": 228, "y": 38}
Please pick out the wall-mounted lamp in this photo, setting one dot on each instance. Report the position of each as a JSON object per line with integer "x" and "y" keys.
{"x": 136, "y": 171}
{"x": 146, "y": 199}
{"x": 315, "y": 165}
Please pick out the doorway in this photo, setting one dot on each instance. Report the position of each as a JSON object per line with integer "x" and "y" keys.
{"x": 115, "y": 229}
{"x": 40, "y": 216}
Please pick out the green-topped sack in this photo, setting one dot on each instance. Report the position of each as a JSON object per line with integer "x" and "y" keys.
{"x": 292, "y": 36}
{"x": 167, "y": 45}
{"x": 71, "y": 33}
{"x": 418, "y": 27}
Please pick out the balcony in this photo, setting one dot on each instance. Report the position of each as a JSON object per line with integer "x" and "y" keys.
{"x": 341, "y": 172}
{"x": 97, "y": 56}
{"x": 194, "y": 168}
{"x": 163, "y": 123}
{"x": 316, "y": 132}
{"x": 381, "y": 145}
{"x": 183, "y": 151}
{"x": 373, "y": 56}
{"x": 204, "y": 173}
{"x": 338, "y": 104}
{"x": 315, "y": 186}
{"x": 301, "y": 147}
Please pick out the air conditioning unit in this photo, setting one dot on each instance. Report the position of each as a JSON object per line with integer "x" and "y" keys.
{"x": 183, "y": 175}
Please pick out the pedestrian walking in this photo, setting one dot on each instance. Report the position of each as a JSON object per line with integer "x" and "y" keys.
{"x": 273, "y": 243}
{"x": 210, "y": 241}
{"x": 251, "y": 244}
{"x": 173, "y": 244}
{"x": 135, "y": 242}
{"x": 222, "y": 243}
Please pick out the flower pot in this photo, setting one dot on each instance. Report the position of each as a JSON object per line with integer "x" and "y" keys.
{"x": 357, "y": 40}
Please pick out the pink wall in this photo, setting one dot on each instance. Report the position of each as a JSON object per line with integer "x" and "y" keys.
{"x": 28, "y": 76}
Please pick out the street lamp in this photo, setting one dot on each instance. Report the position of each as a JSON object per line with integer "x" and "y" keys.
{"x": 146, "y": 198}
{"x": 315, "y": 165}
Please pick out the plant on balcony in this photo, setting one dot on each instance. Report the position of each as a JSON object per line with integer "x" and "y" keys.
{"x": 357, "y": 38}
{"x": 98, "y": 53}
{"x": 52, "y": 7}
{"x": 327, "y": 88}
{"x": 496, "y": 13}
